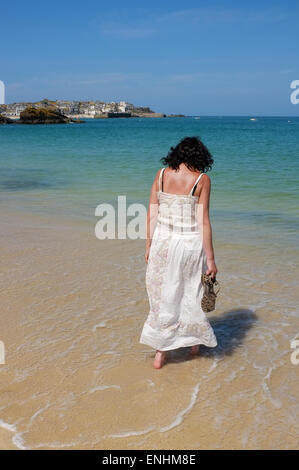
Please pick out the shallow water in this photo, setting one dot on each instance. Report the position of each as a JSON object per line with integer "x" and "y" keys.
{"x": 72, "y": 306}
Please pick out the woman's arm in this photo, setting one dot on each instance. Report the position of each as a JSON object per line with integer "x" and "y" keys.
{"x": 152, "y": 214}
{"x": 204, "y": 201}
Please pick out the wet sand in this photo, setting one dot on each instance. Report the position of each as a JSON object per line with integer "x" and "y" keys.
{"x": 6, "y": 440}
{"x": 76, "y": 376}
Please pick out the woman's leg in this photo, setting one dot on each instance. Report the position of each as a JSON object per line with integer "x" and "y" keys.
{"x": 194, "y": 350}
{"x": 159, "y": 359}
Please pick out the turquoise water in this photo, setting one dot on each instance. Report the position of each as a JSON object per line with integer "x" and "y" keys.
{"x": 67, "y": 170}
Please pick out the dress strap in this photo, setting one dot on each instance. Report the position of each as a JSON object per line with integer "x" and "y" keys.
{"x": 160, "y": 179}
{"x": 195, "y": 184}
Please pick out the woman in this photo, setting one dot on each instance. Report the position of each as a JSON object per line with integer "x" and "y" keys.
{"x": 179, "y": 249}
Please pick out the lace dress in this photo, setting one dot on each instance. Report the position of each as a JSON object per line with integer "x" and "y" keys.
{"x": 173, "y": 276}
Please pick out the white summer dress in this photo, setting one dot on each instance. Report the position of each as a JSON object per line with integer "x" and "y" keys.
{"x": 173, "y": 276}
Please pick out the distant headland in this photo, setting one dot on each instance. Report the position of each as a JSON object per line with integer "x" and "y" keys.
{"x": 62, "y": 111}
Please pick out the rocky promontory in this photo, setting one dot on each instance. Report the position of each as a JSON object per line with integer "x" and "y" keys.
{"x": 48, "y": 115}
{"x": 5, "y": 120}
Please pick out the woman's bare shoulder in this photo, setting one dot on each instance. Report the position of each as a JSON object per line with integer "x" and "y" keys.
{"x": 157, "y": 175}
{"x": 206, "y": 179}
{"x": 156, "y": 179}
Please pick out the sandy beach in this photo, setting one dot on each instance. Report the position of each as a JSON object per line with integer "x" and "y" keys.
{"x": 76, "y": 376}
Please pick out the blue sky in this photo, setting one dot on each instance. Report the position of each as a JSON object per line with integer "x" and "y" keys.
{"x": 191, "y": 57}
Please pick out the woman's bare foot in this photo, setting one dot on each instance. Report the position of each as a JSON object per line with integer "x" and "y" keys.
{"x": 159, "y": 359}
{"x": 194, "y": 350}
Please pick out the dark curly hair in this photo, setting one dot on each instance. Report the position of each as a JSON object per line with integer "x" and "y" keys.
{"x": 192, "y": 152}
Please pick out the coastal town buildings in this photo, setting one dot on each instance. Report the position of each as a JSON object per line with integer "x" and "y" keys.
{"x": 81, "y": 109}
{"x": 87, "y": 109}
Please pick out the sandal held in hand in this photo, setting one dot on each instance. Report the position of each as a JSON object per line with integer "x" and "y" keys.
{"x": 211, "y": 290}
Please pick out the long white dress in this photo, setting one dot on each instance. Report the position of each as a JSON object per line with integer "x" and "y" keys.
{"x": 173, "y": 276}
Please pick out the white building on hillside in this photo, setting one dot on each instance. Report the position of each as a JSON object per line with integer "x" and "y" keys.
{"x": 122, "y": 106}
